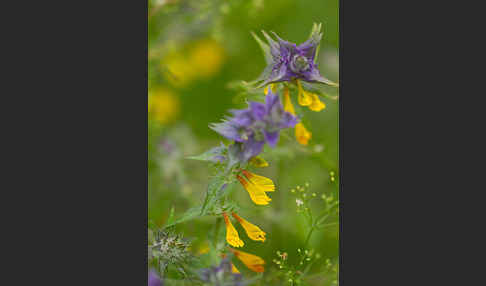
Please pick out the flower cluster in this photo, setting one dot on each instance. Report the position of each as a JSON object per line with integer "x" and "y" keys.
{"x": 288, "y": 63}
{"x": 250, "y": 128}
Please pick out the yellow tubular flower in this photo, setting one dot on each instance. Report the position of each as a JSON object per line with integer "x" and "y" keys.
{"x": 234, "y": 269}
{"x": 302, "y": 134}
{"x": 251, "y": 261}
{"x": 231, "y": 234}
{"x": 303, "y": 97}
{"x": 264, "y": 183}
{"x": 257, "y": 194}
{"x": 317, "y": 104}
{"x": 288, "y": 106}
{"x": 253, "y": 231}
{"x": 259, "y": 162}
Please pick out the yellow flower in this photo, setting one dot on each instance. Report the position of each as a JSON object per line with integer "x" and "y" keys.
{"x": 234, "y": 269}
{"x": 288, "y": 106}
{"x": 256, "y": 187}
{"x": 231, "y": 234}
{"x": 302, "y": 134}
{"x": 317, "y": 104}
{"x": 303, "y": 96}
{"x": 180, "y": 70}
{"x": 203, "y": 60}
{"x": 253, "y": 231}
{"x": 163, "y": 106}
{"x": 265, "y": 183}
{"x": 251, "y": 261}
{"x": 206, "y": 57}
{"x": 259, "y": 162}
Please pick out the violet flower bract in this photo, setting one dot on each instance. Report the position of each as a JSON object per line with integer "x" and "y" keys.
{"x": 250, "y": 128}
{"x": 287, "y": 62}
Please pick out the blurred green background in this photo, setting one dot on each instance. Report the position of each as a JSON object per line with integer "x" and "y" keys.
{"x": 196, "y": 50}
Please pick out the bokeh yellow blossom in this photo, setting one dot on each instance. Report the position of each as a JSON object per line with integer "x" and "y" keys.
{"x": 251, "y": 261}
{"x": 163, "y": 105}
{"x": 203, "y": 249}
{"x": 207, "y": 57}
{"x": 231, "y": 234}
{"x": 253, "y": 231}
{"x": 204, "y": 59}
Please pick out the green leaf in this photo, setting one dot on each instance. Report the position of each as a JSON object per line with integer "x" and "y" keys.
{"x": 188, "y": 215}
{"x": 171, "y": 216}
{"x": 265, "y": 47}
{"x": 213, "y": 193}
{"x": 210, "y": 154}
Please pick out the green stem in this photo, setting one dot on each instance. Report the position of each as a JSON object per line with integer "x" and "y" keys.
{"x": 308, "y": 237}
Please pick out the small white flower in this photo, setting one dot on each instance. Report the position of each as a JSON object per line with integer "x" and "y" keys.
{"x": 299, "y": 202}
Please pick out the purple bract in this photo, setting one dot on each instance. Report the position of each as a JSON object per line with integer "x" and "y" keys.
{"x": 252, "y": 127}
{"x": 287, "y": 61}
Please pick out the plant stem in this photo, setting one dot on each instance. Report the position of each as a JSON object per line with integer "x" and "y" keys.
{"x": 308, "y": 237}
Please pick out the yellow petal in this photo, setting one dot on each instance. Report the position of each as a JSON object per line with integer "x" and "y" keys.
{"x": 251, "y": 261}
{"x": 302, "y": 134}
{"x": 234, "y": 269}
{"x": 317, "y": 104}
{"x": 303, "y": 97}
{"x": 288, "y": 106}
{"x": 253, "y": 231}
{"x": 231, "y": 234}
{"x": 257, "y": 195}
{"x": 264, "y": 183}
